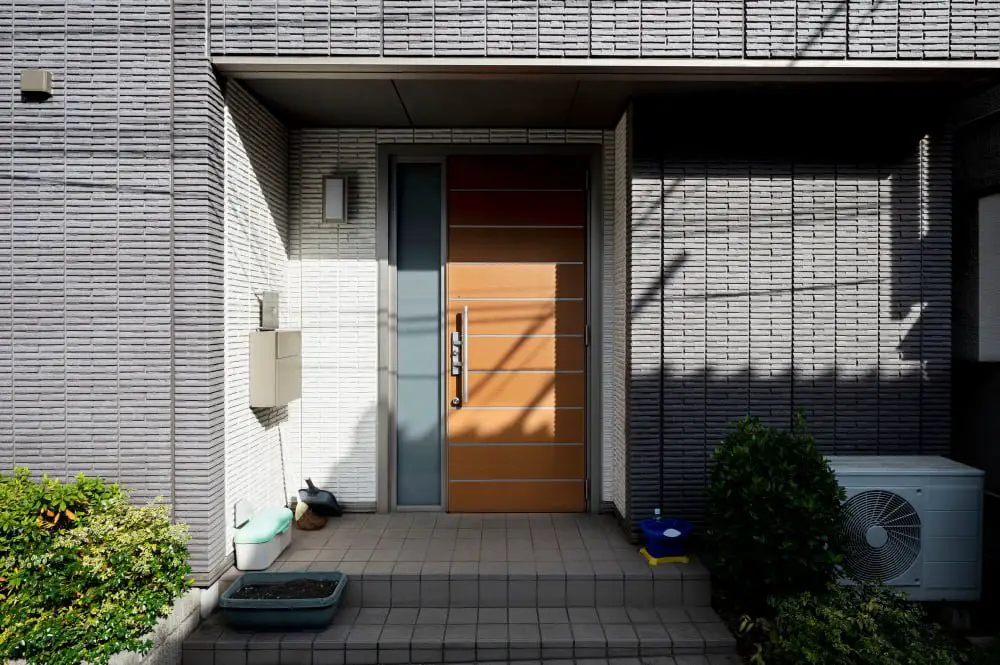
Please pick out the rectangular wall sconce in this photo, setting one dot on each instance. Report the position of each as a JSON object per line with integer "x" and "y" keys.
{"x": 335, "y": 199}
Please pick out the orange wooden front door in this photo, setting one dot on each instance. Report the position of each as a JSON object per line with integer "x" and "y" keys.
{"x": 516, "y": 264}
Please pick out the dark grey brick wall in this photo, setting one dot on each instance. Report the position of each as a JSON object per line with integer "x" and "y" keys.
{"x": 616, "y": 397}
{"x": 977, "y": 386}
{"x": 761, "y": 283}
{"x": 938, "y": 29}
{"x": 976, "y": 394}
{"x": 111, "y": 254}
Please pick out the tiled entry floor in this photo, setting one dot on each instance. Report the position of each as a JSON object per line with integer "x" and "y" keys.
{"x": 440, "y": 537}
{"x": 437, "y": 588}
{"x": 570, "y": 560}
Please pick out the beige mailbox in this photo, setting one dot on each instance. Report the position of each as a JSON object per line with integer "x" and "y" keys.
{"x": 275, "y": 367}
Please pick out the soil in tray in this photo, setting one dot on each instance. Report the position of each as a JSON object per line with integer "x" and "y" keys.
{"x": 289, "y": 590}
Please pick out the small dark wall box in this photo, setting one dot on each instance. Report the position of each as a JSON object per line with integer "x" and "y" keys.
{"x": 36, "y": 85}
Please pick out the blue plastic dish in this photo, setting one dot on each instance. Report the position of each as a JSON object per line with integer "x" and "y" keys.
{"x": 299, "y": 614}
{"x": 659, "y": 545}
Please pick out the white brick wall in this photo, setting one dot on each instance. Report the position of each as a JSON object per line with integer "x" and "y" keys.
{"x": 256, "y": 239}
{"x": 333, "y": 296}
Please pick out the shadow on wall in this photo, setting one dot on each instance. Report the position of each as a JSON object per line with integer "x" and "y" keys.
{"x": 264, "y": 139}
{"x": 976, "y": 393}
{"x": 785, "y": 267}
{"x": 257, "y": 248}
{"x": 836, "y": 19}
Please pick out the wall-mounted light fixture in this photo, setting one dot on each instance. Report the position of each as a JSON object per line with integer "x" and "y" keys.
{"x": 36, "y": 85}
{"x": 335, "y": 199}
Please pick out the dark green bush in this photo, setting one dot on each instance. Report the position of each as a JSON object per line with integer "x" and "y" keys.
{"x": 775, "y": 517}
{"x": 847, "y": 625}
{"x": 985, "y": 655}
{"x": 83, "y": 574}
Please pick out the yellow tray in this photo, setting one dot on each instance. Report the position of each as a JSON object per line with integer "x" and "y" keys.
{"x": 654, "y": 561}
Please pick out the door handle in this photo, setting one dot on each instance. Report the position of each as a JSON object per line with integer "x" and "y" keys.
{"x": 465, "y": 354}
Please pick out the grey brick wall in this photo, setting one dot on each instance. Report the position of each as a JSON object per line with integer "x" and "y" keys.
{"x": 85, "y": 289}
{"x": 903, "y": 29}
{"x": 111, "y": 258}
{"x": 763, "y": 284}
{"x": 199, "y": 359}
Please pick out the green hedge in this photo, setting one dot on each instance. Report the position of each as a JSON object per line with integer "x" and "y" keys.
{"x": 775, "y": 516}
{"x": 83, "y": 573}
{"x": 869, "y": 624}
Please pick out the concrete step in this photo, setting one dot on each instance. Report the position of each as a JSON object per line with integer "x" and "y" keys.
{"x": 523, "y": 584}
{"x": 712, "y": 659}
{"x": 398, "y": 635}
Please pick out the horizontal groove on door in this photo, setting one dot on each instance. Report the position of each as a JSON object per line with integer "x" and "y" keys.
{"x": 512, "y": 280}
{"x": 511, "y": 263}
{"x": 517, "y": 189}
{"x": 517, "y": 172}
{"x": 521, "y": 317}
{"x": 518, "y": 480}
{"x": 522, "y": 390}
{"x": 517, "y": 208}
{"x": 516, "y": 426}
{"x": 524, "y": 371}
{"x": 516, "y": 497}
{"x": 473, "y": 445}
{"x": 516, "y": 245}
{"x": 516, "y": 463}
{"x": 523, "y": 408}
{"x": 519, "y": 299}
{"x": 521, "y": 336}
{"x": 535, "y": 353}
{"x": 513, "y": 226}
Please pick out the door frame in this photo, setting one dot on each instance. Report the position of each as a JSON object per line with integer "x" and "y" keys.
{"x": 390, "y": 154}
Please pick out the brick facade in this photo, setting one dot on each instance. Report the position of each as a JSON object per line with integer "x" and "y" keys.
{"x": 905, "y": 29}
{"x": 762, "y": 285}
{"x": 114, "y": 267}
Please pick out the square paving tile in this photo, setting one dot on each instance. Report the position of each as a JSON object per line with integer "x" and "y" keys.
{"x": 395, "y": 637}
{"x": 432, "y": 615}
{"x": 491, "y": 635}
{"x": 492, "y": 615}
{"x": 364, "y": 636}
{"x": 372, "y": 616}
{"x": 463, "y": 615}
{"x": 522, "y": 615}
{"x": 553, "y": 615}
{"x": 460, "y": 636}
{"x": 405, "y": 616}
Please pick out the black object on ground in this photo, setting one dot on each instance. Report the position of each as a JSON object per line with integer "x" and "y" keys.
{"x": 320, "y": 501}
{"x": 288, "y": 590}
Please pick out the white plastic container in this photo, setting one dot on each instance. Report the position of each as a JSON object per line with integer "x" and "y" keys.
{"x": 262, "y": 538}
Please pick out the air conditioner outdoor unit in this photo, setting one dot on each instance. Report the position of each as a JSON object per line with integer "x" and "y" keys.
{"x": 913, "y": 523}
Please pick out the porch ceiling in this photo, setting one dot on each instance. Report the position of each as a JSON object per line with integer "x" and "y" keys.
{"x": 446, "y": 103}
{"x": 528, "y": 95}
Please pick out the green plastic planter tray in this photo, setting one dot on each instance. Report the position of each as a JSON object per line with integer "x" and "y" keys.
{"x": 306, "y": 613}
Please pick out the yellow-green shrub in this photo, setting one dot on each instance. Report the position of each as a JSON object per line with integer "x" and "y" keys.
{"x": 83, "y": 574}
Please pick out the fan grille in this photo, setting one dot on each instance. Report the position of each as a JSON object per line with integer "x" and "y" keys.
{"x": 883, "y": 536}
